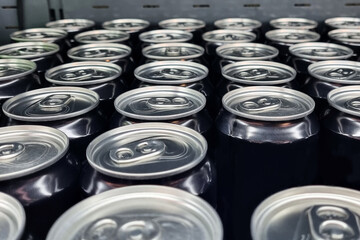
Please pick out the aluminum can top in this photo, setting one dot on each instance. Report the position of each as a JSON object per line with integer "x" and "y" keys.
{"x": 101, "y": 36}
{"x": 346, "y": 99}
{"x": 186, "y": 24}
{"x": 129, "y": 25}
{"x": 165, "y": 36}
{"x": 343, "y": 22}
{"x": 247, "y": 51}
{"x": 15, "y": 68}
{"x": 71, "y": 25}
{"x": 293, "y": 23}
{"x": 99, "y": 52}
{"x": 38, "y": 35}
{"x": 245, "y": 24}
{"x": 292, "y": 36}
{"x": 28, "y": 50}
{"x": 173, "y": 51}
{"x": 321, "y": 51}
{"x": 350, "y": 36}
{"x": 228, "y": 36}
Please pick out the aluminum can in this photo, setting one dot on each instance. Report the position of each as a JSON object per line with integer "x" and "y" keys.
{"x": 349, "y": 38}
{"x": 164, "y": 36}
{"x": 102, "y": 36}
{"x": 40, "y": 172}
{"x": 146, "y": 212}
{"x": 343, "y": 23}
{"x": 243, "y": 24}
{"x": 150, "y": 153}
{"x": 294, "y": 23}
{"x": 259, "y": 130}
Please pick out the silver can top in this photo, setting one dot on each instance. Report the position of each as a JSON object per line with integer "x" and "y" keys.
{"x": 228, "y": 36}
{"x": 26, "y": 149}
{"x": 173, "y": 51}
{"x": 185, "y": 24}
{"x": 320, "y": 51}
{"x": 38, "y": 35}
{"x": 346, "y": 99}
{"x": 28, "y": 50}
{"x": 101, "y": 36}
{"x": 165, "y": 36}
{"x": 268, "y": 103}
{"x": 343, "y": 22}
{"x": 83, "y": 73}
{"x": 171, "y": 72}
{"x": 71, "y": 25}
{"x": 15, "y": 68}
{"x": 129, "y": 25}
{"x": 144, "y": 212}
{"x": 51, "y": 104}
{"x": 293, "y": 23}
{"x": 12, "y": 217}
{"x": 292, "y": 36}
{"x": 247, "y": 51}
{"x": 146, "y": 151}
{"x": 160, "y": 103}
{"x": 99, "y": 52}
{"x": 351, "y": 36}
{"x": 342, "y": 72}
{"x": 258, "y": 73}
{"x": 245, "y": 24}
{"x": 311, "y": 212}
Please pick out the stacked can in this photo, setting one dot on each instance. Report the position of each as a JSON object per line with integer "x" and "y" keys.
{"x": 243, "y": 24}
{"x": 294, "y": 23}
{"x": 164, "y": 36}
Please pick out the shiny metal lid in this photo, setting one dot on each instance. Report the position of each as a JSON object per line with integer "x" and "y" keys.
{"x": 38, "y": 35}
{"x": 171, "y": 72}
{"x": 320, "y": 51}
{"x": 144, "y": 212}
{"x": 228, "y": 36}
{"x": 173, "y": 51}
{"x": 15, "y": 68}
{"x": 346, "y": 99}
{"x": 292, "y": 36}
{"x": 51, "y": 104}
{"x": 268, "y": 103}
{"x": 71, "y": 25}
{"x": 83, "y": 73}
{"x": 310, "y": 212}
{"x": 12, "y": 217}
{"x": 146, "y": 151}
{"x": 129, "y": 25}
{"x": 186, "y": 24}
{"x": 28, "y": 50}
{"x": 258, "y": 73}
{"x": 247, "y": 51}
{"x": 293, "y": 23}
{"x": 165, "y": 36}
{"x": 343, "y": 22}
{"x": 99, "y": 52}
{"x": 26, "y": 149}
{"x": 343, "y": 72}
{"x": 160, "y": 103}
{"x": 245, "y": 24}
{"x": 351, "y": 36}
{"x": 101, "y": 36}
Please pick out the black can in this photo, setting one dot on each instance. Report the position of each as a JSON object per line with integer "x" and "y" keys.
{"x": 243, "y": 24}
{"x": 349, "y": 38}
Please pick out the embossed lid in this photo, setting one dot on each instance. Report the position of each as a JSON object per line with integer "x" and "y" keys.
{"x": 247, "y": 51}
{"x": 144, "y": 212}
{"x": 99, "y": 52}
{"x": 292, "y": 36}
{"x": 51, "y": 104}
{"x": 258, "y": 72}
{"x": 28, "y": 50}
{"x": 165, "y": 36}
{"x": 101, "y": 36}
{"x": 160, "y": 103}
{"x": 83, "y": 73}
{"x": 228, "y": 36}
{"x": 173, "y": 51}
{"x": 350, "y": 36}
{"x": 26, "y": 149}
{"x": 15, "y": 68}
{"x": 129, "y": 25}
{"x": 245, "y": 24}
{"x": 343, "y": 22}
{"x": 71, "y": 25}
{"x": 186, "y": 24}
{"x": 38, "y": 35}
{"x": 320, "y": 51}
{"x": 146, "y": 151}
{"x": 268, "y": 103}
{"x": 171, "y": 72}
{"x": 346, "y": 99}
{"x": 293, "y": 23}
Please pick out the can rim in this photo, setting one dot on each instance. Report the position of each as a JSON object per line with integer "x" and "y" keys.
{"x": 187, "y": 36}
{"x": 345, "y": 40}
{"x": 270, "y": 36}
{"x": 31, "y": 64}
{"x": 273, "y": 23}
{"x": 123, "y": 36}
{"x": 330, "y": 22}
{"x": 24, "y": 44}
{"x": 106, "y": 24}
{"x": 63, "y": 35}
{"x": 164, "y": 45}
{"x": 71, "y": 51}
{"x": 219, "y": 23}
{"x": 206, "y": 38}
{"x": 89, "y": 24}
{"x": 201, "y": 23}
{"x": 235, "y": 45}
{"x": 293, "y": 48}
{"x": 340, "y": 91}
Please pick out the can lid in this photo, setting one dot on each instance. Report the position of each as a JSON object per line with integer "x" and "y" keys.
{"x": 247, "y": 51}
{"x": 139, "y": 212}
{"x": 160, "y": 103}
{"x": 165, "y": 36}
{"x": 245, "y": 24}
{"x": 268, "y": 103}
{"x": 293, "y": 23}
{"x": 38, "y": 35}
{"x": 258, "y": 73}
{"x": 186, "y": 24}
{"x": 228, "y": 36}
{"x": 171, "y": 72}
{"x": 345, "y": 35}
{"x": 51, "y": 104}
{"x": 173, "y": 51}
{"x": 346, "y": 99}
{"x": 12, "y": 217}
{"x": 15, "y": 68}
{"x": 83, "y": 73}
{"x": 99, "y": 52}
{"x": 343, "y": 22}
{"x": 292, "y": 36}
{"x": 28, "y": 50}
{"x": 101, "y": 36}
{"x": 71, "y": 25}
{"x": 129, "y": 25}
{"x": 321, "y": 51}
{"x": 310, "y": 212}
{"x": 343, "y": 72}
{"x": 26, "y": 149}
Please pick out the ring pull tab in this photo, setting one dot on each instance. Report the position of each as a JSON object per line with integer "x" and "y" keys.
{"x": 353, "y": 104}
{"x": 162, "y": 36}
{"x": 341, "y": 73}
{"x": 55, "y": 102}
{"x": 10, "y": 150}
{"x": 259, "y": 104}
{"x": 173, "y": 51}
{"x": 294, "y": 36}
{"x": 80, "y": 75}
{"x": 95, "y": 53}
{"x": 229, "y": 37}
{"x": 35, "y": 35}
{"x": 30, "y": 51}
{"x": 169, "y": 103}
{"x": 253, "y": 74}
{"x": 174, "y": 73}
{"x": 244, "y": 52}
{"x": 140, "y": 230}
{"x": 327, "y": 52}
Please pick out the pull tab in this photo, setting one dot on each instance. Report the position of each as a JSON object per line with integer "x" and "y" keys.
{"x": 164, "y": 103}
{"x": 30, "y": 51}
{"x": 173, "y": 51}
{"x": 354, "y": 36}
{"x": 104, "y": 37}
{"x": 253, "y": 74}
{"x": 95, "y": 53}
{"x": 140, "y": 230}
{"x": 229, "y": 37}
{"x": 259, "y": 104}
{"x": 245, "y": 52}
{"x": 353, "y": 104}
{"x": 294, "y": 36}
{"x": 102, "y": 229}
{"x": 341, "y": 73}
{"x": 174, "y": 73}
{"x": 81, "y": 75}
{"x": 328, "y": 52}
{"x": 237, "y": 24}
{"x": 162, "y": 36}
{"x": 55, "y": 103}
{"x": 10, "y": 150}
{"x": 34, "y": 35}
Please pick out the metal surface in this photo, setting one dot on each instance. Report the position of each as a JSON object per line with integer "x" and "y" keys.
{"x": 247, "y": 51}
{"x": 15, "y": 68}
{"x": 71, "y": 25}
{"x": 101, "y": 36}
{"x": 348, "y": 36}
{"x": 38, "y": 35}
{"x": 99, "y": 52}
{"x": 292, "y": 36}
{"x": 346, "y": 99}
{"x": 222, "y": 36}
{"x": 185, "y": 24}
{"x": 129, "y": 25}
{"x": 165, "y": 36}
{"x": 244, "y": 24}
{"x": 28, "y": 50}
{"x": 320, "y": 51}
{"x": 293, "y": 23}
{"x": 173, "y": 51}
